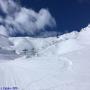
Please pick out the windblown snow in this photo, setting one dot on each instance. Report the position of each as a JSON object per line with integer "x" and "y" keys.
{"x": 51, "y": 63}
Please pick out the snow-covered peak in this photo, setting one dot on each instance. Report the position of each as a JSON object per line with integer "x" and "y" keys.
{"x": 84, "y": 35}
{"x": 52, "y": 45}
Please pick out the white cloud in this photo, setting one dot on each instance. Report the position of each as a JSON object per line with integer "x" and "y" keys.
{"x": 3, "y": 30}
{"x": 20, "y": 20}
{"x": 8, "y": 6}
{"x": 44, "y": 18}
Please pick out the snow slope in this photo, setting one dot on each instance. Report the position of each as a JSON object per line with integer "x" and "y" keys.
{"x": 48, "y": 63}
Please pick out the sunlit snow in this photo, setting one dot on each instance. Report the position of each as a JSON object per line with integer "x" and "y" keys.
{"x": 46, "y": 63}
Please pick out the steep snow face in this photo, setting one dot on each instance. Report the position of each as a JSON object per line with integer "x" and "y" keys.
{"x": 37, "y": 44}
{"x": 68, "y": 46}
{"x": 65, "y": 43}
{"x": 21, "y": 44}
{"x": 72, "y": 35}
{"x": 73, "y": 41}
{"x": 84, "y": 35}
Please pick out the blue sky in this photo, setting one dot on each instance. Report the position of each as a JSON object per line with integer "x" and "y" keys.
{"x": 39, "y": 17}
{"x": 69, "y": 14}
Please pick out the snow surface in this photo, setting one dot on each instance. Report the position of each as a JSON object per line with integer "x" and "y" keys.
{"x": 46, "y": 63}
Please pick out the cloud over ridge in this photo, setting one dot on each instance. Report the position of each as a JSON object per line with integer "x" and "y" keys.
{"x": 23, "y": 21}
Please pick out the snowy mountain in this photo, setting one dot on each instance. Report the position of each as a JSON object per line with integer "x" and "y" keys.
{"x": 46, "y": 63}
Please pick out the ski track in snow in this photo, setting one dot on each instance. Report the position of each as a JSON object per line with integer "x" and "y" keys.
{"x": 17, "y": 73}
{"x": 47, "y": 74}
